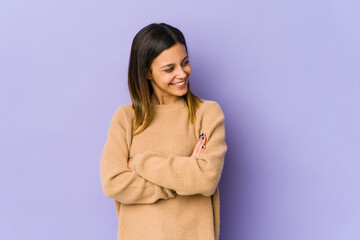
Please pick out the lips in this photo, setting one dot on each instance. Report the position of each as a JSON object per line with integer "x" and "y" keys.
{"x": 177, "y": 82}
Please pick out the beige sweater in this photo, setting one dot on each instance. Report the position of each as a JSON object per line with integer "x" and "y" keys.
{"x": 166, "y": 195}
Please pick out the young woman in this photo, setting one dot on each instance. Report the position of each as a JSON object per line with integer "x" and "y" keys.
{"x": 164, "y": 152}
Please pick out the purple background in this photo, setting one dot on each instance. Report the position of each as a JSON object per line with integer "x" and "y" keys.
{"x": 286, "y": 74}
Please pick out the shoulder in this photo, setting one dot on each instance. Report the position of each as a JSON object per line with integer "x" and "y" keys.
{"x": 124, "y": 114}
{"x": 211, "y": 119}
{"x": 210, "y": 108}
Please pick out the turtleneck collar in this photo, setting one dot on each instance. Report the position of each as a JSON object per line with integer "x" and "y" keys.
{"x": 167, "y": 107}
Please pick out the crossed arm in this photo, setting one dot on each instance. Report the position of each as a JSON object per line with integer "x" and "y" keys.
{"x": 117, "y": 180}
{"x": 154, "y": 175}
{"x": 189, "y": 175}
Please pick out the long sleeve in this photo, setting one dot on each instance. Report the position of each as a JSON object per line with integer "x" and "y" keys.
{"x": 117, "y": 180}
{"x": 189, "y": 175}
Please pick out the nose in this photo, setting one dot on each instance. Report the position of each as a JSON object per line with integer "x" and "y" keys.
{"x": 181, "y": 73}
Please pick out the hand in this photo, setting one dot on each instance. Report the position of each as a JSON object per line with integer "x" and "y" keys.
{"x": 129, "y": 162}
{"x": 198, "y": 146}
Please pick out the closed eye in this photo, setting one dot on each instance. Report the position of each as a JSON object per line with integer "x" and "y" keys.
{"x": 172, "y": 68}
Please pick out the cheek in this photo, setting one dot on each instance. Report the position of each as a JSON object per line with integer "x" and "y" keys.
{"x": 165, "y": 78}
{"x": 162, "y": 78}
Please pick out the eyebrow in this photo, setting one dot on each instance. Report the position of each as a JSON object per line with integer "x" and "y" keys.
{"x": 173, "y": 63}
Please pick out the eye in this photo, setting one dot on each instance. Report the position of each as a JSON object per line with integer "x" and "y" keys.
{"x": 172, "y": 68}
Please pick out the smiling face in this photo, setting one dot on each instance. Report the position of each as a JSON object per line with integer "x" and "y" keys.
{"x": 169, "y": 67}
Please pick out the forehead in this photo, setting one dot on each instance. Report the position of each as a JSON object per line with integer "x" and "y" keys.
{"x": 173, "y": 54}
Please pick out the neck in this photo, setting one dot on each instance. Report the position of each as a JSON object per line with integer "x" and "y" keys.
{"x": 155, "y": 100}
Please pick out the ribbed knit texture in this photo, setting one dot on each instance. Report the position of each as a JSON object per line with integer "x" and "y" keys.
{"x": 166, "y": 195}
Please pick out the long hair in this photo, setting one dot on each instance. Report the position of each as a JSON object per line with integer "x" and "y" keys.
{"x": 147, "y": 44}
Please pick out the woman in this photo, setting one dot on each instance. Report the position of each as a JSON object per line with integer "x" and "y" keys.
{"x": 154, "y": 163}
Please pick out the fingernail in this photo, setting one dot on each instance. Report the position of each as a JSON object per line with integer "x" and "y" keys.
{"x": 202, "y": 146}
{"x": 203, "y": 138}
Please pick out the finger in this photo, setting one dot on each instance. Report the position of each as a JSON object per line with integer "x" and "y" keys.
{"x": 197, "y": 148}
{"x": 203, "y": 150}
{"x": 197, "y": 145}
{"x": 204, "y": 140}
{"x": 200, "y": 147}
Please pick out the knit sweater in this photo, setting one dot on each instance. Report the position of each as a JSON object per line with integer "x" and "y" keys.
{"x": 165, "y": 194}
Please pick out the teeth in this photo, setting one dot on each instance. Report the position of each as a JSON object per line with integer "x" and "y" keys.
{"x": 179, "y": 83}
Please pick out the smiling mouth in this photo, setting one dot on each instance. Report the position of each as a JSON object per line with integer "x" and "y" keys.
{"x": 178, "y": 83}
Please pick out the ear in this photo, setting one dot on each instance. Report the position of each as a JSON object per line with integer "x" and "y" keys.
{"x": 148, "y": 74}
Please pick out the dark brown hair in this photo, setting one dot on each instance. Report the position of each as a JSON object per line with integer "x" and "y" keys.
{"x": 147, "y": 44}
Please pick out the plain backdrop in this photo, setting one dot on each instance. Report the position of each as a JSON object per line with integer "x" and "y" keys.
{"x": 286, "y": 74}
